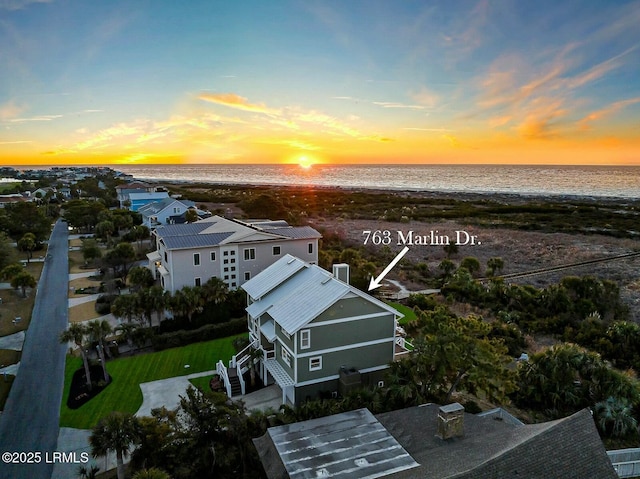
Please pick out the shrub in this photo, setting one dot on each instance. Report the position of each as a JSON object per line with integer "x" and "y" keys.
{"x": 205, "y": 333}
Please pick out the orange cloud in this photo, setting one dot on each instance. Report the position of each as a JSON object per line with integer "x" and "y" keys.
{"x": 232, "y": 100}
{"x": 585, "y": 123}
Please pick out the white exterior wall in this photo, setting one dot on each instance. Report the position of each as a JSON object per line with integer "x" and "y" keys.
{"x": 183, "y": 272}
{"x": 176, "y": 208}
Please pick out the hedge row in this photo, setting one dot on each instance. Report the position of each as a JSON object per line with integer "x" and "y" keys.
{"x": 205, "y": 333}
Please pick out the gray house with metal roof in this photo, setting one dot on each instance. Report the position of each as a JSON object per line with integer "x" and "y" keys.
{"x": 234, "y": 251}
{"x": 318, "y": 335}
{"x": 165, "y": 211}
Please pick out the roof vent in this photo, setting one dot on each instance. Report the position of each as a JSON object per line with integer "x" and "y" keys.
{"x": 322, "y": 473}
{"x": 361, "y": 462}
{"x": 291, "y": 261}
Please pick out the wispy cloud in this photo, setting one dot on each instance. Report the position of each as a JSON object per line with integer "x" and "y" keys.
{"x": 238, "y": 102}
{"x": 17, "y": 142}
{"x": 10, "y": 110}
{"x": 36, "y": 118}
{"x": 391, "y": 104}
{"x": 613, "y": 108}
{"x": 12, "y": 5}
{"x": 427, "y": 129}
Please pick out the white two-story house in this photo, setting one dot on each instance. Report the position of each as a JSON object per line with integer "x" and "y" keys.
{"x": 167, "y": 211}
{"x": 234, "y": 251}
{"x": 319, "y": 336}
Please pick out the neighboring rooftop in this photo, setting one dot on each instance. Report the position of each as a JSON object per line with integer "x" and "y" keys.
{"x": 216, "y": 230}
{"x": 568, "y": 448}
{"x": 352, "y": 444}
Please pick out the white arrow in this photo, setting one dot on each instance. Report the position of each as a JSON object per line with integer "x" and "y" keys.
{"x": 375, "y": 283}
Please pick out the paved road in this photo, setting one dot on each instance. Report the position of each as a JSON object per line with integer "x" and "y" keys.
{"x": 31, "y": 417}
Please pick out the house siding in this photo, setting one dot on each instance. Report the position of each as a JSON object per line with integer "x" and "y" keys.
{"x": 347, "y": 333}
{"x": 348, "y": 307}
{"x": 363, "y": 357}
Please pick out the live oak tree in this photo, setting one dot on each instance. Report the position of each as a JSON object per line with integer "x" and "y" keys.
{"x": 27, "y": 244}
{"x": 451, "y": 353}
{"x": 23, "y": 280}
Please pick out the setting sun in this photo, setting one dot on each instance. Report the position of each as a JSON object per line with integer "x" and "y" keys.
{"x": 305, "y": 162}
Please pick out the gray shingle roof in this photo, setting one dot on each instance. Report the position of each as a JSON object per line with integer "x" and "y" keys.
{"x": 568, "y": 448}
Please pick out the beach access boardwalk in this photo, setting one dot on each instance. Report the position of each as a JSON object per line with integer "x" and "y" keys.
{"x": 31, "y": 417}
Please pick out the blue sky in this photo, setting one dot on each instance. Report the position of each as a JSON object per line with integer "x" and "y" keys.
{"x": 328, "y": 81}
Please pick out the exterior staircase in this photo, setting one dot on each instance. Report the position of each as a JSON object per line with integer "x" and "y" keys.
{"x": 234, "y": 381}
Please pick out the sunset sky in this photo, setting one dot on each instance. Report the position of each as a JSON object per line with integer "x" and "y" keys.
{"x": 211, "y": 81}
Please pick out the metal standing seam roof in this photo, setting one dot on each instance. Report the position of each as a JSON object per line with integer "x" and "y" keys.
{"x": 194, "y": 241}
{"x": 188, "y": 229}
{"x": 351, "y": 445}
{"x": 295, "y": 232}
{"x": 272, "y": 276}
{"x": 307, "y": 299}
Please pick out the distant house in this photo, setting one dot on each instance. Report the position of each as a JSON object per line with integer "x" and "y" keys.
{"x": 232, "y": 250}
{"x": 436, "y": 443}
{"x": 318, "y": 335}
{"x": 167, "y": 211}
{"x": 123, "y": 191}
{"x": 138, "y": 200}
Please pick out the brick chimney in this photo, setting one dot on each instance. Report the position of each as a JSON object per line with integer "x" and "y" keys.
{"x": 450, "y": 421}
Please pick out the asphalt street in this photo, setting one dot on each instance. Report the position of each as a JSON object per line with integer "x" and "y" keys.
{"x": 30, "y": 421}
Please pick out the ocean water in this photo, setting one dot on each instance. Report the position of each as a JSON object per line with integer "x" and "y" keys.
{"x": 591, "y": 181}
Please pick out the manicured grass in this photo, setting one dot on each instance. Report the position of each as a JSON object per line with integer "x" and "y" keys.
{"x": 202, "y": 382}
{"x": 409, "y": 314}
{"x": 124, "y": 393}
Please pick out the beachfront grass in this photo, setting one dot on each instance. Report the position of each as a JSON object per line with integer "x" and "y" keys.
{"x": 124, "y": 394}
{"x": 409, "y": 313}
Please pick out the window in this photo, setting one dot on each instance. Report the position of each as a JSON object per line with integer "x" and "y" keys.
{"x": 249, "y": 254}
{"x": 233, "y": 285}
{"x": 165, "y": 257}
{"x": 315, "y": 363}
{"x": 233, "y": 268}
{"x": 198, "y": 282}
{"x": 286, "y": 357}
{"x": 226, "y": 253}
{"x": 226, "y": 277}
{"x": 233, "y": 260}
{"x": 276, "y": 250}
{"x": 196, "y": 259}
{"x": 226, "y": 261}
{"x": 247, "y": 276}
{"x": 176, "y": 209}
{"x": 310, "y": 247}
{"x": 213, "y": 256}
{"x": 305, "y": 339}
{"x": 226, "y": 270}
{"x": 233, "y": 253}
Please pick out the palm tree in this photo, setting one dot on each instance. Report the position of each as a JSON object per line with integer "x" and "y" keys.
{"x": 97, "y": 331}
{"x": 116, "y": 432}
{"x": 76, "y": 334}
{"x": 153, "y": 473}
{"x": 125, "y": 306}
{"x": 614, "y": 417}
{"x": 159, "y": 299}
{"x": 187, "y": 301}
{"x": 88, "y": 473}
{"x": 214, "y": 290}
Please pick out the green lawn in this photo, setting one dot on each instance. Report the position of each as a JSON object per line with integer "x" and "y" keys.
{"x": 409, "y": 314}
{"x": 124, "y": 393}
{"x": 202, "y": 382}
